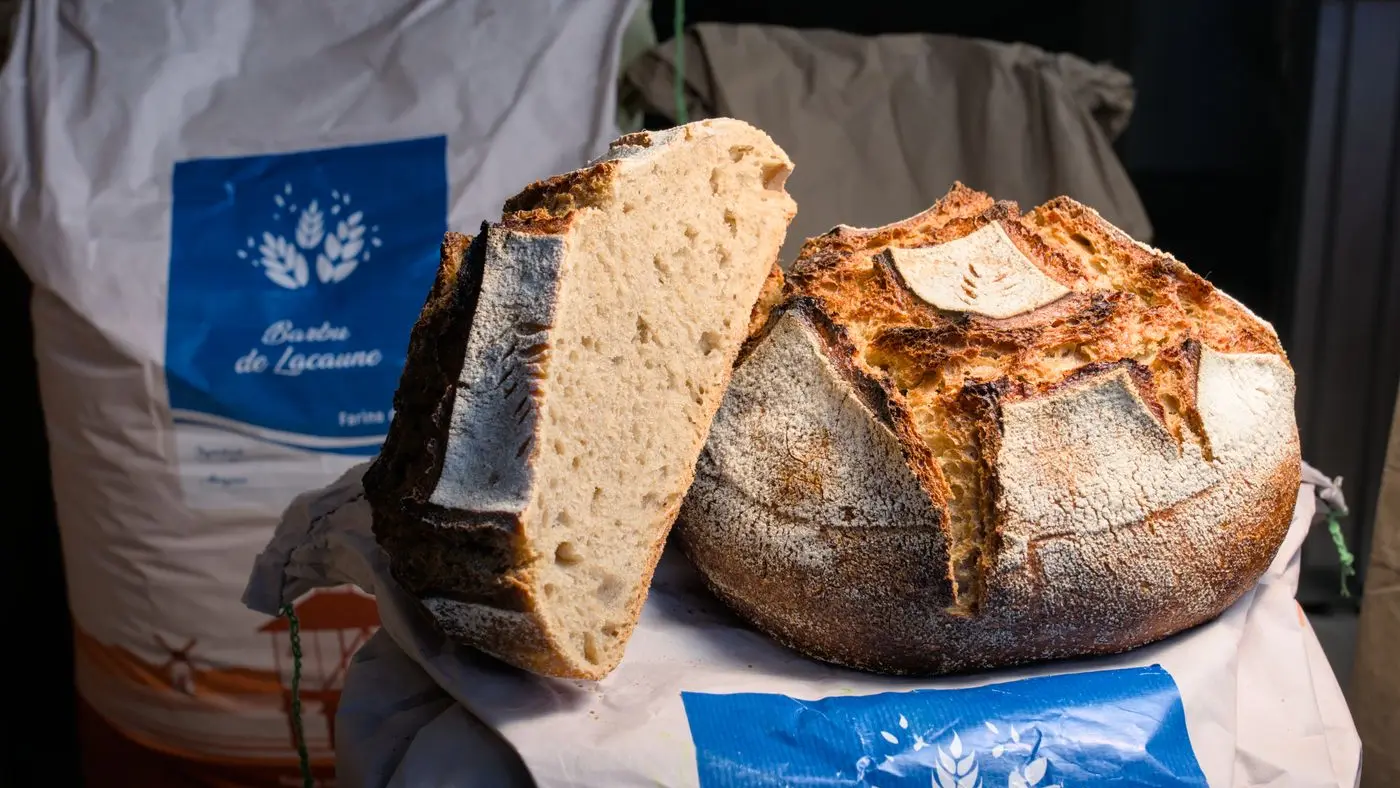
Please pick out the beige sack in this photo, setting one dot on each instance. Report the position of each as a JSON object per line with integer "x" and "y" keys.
{"x": 1375, "y": 685}
{"x": 881, "y": 125}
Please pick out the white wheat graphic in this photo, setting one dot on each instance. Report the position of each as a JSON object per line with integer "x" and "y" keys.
{"x": 954, "y": 770}
{"x": 1029, "y": 775}
{"x": 338, "y": 253}
{"x": 310, "y": 227}
{"x": 282, "y": 263}
{"x": 342, "y": 250}
{"x": 957, "y": 767}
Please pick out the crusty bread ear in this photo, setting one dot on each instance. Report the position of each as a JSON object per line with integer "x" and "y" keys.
{"x": 976, "y": 438}
{"x": 561, "y": 383}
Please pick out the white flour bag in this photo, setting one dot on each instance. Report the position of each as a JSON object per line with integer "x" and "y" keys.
{"x": 231, "y": 213}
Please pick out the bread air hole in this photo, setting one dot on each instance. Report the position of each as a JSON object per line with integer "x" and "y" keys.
{"x": 566, "y": 554}
{"x": 775, "y": 175}
{"x": 1171, "y": 403}
{"x": 697, "y": 393}
{"x": 609, "y": 589}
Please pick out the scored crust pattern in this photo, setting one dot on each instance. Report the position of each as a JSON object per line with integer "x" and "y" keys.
{"x": 977, "y": 438}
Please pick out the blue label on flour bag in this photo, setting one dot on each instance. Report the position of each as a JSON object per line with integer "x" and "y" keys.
{"x": 1111, "y": 727}
{"x": 295, "y": 280}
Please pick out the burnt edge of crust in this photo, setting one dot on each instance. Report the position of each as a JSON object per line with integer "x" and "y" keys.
{"x": 435, "y": 551}
{"x": 1187, "y": 358}
{"x": 1155, "y": 267}
{"x": 841, "y": 240}
{"x": 636, "y": 139}
{"x": 981, "y": 404}
{"x": 408, "y": 465}
{"x": 1139, "y": 375}
{"x": 475, "y": 558}
{"x": 949, "y": 333}
{"x": 540, "y": 206}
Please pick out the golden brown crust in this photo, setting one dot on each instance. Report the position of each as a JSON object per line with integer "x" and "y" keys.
{"x": 875, "y": 391}
{"x": 768, "y": 298}
{"x": 558, "y": 196}
{"x": 1138, "y": 511}
{"x": 833, "y": 247}
{"x": 1080, "y": 231}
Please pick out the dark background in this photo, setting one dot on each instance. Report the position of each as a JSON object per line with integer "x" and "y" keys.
{"x": 1270, "y": 187}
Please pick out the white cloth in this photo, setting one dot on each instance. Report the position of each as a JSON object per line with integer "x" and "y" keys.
{"x": 1261, "y": 705}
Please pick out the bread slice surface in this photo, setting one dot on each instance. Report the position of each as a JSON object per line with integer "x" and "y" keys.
{"x": 561, "y": 383}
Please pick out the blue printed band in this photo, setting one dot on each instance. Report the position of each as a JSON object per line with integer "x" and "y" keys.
{"x": 1112, "y": 727}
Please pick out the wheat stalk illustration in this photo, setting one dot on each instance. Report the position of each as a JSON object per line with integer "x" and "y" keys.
{"x": 310, "y": 227}
{"x": 953, "y": 769}
{"x": 957, "y": 766}
{"x": 282, "y": 263}
{"x": 338, "y": 253}
{"x": 1032, "y": 772}
{"x": 341, "y": 253}
{"x": 1029, "y": 775}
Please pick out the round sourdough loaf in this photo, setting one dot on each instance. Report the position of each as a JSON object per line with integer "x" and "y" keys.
{"x": 978, "y": 438}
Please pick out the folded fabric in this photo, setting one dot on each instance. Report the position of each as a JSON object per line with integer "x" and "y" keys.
{"x": 701, "y": 700}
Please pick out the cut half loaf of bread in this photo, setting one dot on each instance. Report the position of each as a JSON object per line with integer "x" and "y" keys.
{"x": 560, "y": 384}
{"x": 978, "y": 438}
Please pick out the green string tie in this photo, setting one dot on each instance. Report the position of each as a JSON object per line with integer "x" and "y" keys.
{"x": 1348, "y": 561}
{"x": 294, "y": 634}
{"x": 681, "y": 114}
